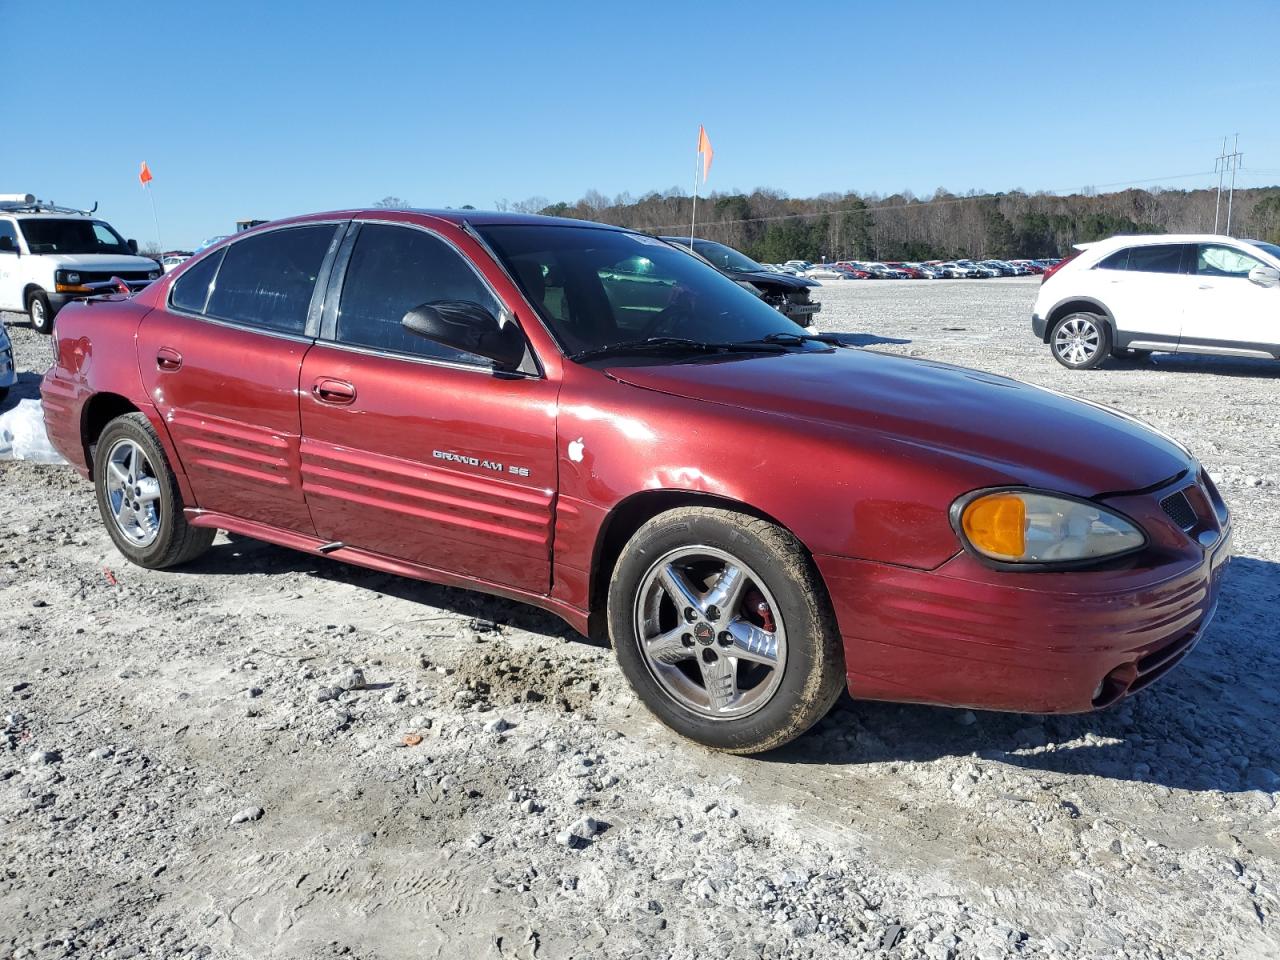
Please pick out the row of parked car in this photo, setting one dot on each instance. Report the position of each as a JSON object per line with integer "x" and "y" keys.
{"x": 905, "y": 270}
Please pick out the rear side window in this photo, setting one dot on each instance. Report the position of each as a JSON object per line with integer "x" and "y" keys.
{"x": 1117, "y": 261}
{"x": 191, "y": 290}
{"x": 267, "y": 280}
{"x": 1156, "y": 258}
{"x": 1216, "y": 260}
{"x": 393, "y": 270}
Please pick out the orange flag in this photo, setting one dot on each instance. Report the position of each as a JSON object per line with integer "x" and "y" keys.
{"x": 705, "y": 151}
{"x": 144, "y": 176}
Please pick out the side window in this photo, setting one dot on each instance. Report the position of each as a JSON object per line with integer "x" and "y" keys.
{"x": 267, "y": 280}
{"x": 1117, "y": 261}
{"x": 191, "y": 290}
{"x": 9, "y": 231}
{"x": 1215, "y": 260}
{"x": 1156, "y": 258}
{"x": 393, "y": 270}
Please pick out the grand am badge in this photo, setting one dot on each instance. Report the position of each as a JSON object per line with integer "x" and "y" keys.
{"x": 483, "y": 463}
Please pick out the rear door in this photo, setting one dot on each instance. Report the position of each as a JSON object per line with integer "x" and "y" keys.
{"x": 1145, "y": 288}
{"x": 221, "y": 362}
{"x": 415, "y": 451}
{"x": 1227, "y": 310}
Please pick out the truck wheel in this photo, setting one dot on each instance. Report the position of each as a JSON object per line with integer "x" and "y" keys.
{"x": 139, "y": 500}
{"x": 40, "y": 313}
{"x": 723, "y": 629}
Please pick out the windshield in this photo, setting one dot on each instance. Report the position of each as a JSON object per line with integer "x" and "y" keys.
{"x": 1270, "y": 248}
{"x": 724, "y": 257}
{"x": 72, "y": 236}
{"x": 596, "y": 288}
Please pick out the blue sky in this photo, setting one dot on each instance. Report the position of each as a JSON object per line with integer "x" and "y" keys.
{"x": 255, "y": 109}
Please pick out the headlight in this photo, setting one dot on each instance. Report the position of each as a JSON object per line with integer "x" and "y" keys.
{"x": 1026, "y": 527}
{"x": 67, "y": 276}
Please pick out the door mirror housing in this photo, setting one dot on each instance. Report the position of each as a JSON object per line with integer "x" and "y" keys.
{"x": 133, "y": 245}
{"x": 1265, "y": 276}
{"x": 465, "y": 325}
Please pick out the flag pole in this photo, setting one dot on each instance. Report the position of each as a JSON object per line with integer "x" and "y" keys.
{"x": 154, "y": 218}
{"x": 697, "y": 159}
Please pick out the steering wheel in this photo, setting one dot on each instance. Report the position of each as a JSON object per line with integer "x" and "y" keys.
{"x": 669, "y": 320}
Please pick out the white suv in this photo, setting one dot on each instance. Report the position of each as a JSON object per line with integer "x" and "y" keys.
{"x": 1188, "y": 293}
{"x": 50, "y": 255}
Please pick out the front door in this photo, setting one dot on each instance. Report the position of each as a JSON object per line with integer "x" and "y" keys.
{"x": 1145, "y": 288}
{"x": 1227, "y": 309}
{"x": 221, "y": 364}
{"x": 10, "y": 268}
{"x": 415, "y": 451}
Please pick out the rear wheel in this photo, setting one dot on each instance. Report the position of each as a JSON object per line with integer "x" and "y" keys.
{"x": 722, "y": 628}
{"x": 39, "y": 312}
{"x": 139, "y": 499}
{"x": 1080, "y": 341}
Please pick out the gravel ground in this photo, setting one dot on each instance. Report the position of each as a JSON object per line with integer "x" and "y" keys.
{"x": 268, "y": 754}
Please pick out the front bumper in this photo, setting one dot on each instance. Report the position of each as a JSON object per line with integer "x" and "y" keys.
{"x": 967, "y": 635}
{"x": 1039, "y": 326}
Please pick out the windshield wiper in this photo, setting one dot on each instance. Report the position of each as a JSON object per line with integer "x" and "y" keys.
{"x": 657, "y": 344}
{"x": 795, "y": 339}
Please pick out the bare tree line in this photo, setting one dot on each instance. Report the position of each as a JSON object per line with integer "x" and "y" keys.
{"x": 771, "y": 226}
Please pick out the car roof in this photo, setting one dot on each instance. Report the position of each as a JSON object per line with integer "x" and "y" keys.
{"x": 1146, "y": 239}
{"x": 476, "y": 218}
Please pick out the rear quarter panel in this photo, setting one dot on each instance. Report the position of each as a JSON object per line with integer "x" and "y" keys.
{"x": 96, "y": 355}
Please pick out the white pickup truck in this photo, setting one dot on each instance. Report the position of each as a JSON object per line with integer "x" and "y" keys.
{"x": 50, "y": 255}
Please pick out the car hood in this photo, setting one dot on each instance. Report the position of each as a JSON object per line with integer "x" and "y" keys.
{"x": 99, "y": 261}
{"x": 785, "y": 280}
{"x": 1023, "y": 434}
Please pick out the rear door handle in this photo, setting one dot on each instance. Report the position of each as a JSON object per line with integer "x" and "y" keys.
{"x": 337, "y": 392}
{"x": 168, "y": 358}
{"x": 1205, "y": 286}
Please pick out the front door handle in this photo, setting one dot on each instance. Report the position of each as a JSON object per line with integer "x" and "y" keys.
{"x": 337, "y": 392}
{"x": 168, "y": 358}
{"x": 1205, "y": 286}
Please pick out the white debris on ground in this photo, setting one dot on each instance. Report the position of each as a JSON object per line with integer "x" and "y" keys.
{"x": 23, "y": 437}
{"x": 272, "y": 754}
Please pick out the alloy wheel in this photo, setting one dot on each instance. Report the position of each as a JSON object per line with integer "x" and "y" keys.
{"x": 710, "y": 632}
{"x": 133, "y": 492}
{"x": 1076, "y": 340}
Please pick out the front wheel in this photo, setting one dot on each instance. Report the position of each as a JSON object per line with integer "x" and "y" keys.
{"x": 722, "y": 628}
{"x": 1081, "y": 341}
{"x": 139, "y": 499}
{"x": 39, "y": 312}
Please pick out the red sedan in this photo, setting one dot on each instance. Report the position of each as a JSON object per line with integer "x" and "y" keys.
{"x": 590, "y": 420}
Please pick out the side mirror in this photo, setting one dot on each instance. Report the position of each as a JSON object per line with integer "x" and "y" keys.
{"x": 464, "y": 325}
{"x": 7, "y": 245}
{"x": 1265, "y": 276}
{"x": 133, "y": 245}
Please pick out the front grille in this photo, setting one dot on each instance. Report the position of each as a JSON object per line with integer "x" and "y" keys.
{"x": 97, "y": 276}
{"x": 1178, "y": 509}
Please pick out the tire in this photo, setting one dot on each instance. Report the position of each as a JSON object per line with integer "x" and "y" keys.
{"x": 1080, "y": 341}
{"x": 139, "y": 500}
{"x": 783, "y": 680}
{"x": 39, "y": 312}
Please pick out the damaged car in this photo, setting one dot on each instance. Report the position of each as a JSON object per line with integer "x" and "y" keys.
{"x": 787, "y": 294}
{"x": 755, "y": 517}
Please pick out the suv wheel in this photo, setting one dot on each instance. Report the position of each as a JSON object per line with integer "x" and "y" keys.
{"x": 39, "y": 312}
{"x": 1081, "y": 341}
{"x": 138, "y": 497}
{"x": 722, "y": 628}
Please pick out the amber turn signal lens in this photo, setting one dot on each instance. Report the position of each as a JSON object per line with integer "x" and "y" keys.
{"x": 996, "y": 525}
